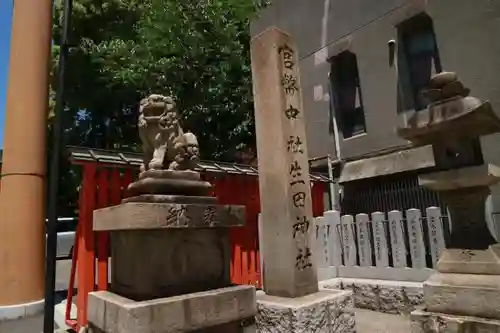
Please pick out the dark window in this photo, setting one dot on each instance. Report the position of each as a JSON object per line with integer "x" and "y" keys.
{"x": 346, "y": 94}
{"x": 419, "y": 52}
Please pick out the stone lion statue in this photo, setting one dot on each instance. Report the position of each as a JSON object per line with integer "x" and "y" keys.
{"x": 164, "y": 143}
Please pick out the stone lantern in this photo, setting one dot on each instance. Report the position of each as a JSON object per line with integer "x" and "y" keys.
{"x": 464, "y": 294}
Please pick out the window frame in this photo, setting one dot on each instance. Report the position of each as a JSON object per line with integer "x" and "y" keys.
{"x": 419, "y": 25}
{"x": 347, "y": 128}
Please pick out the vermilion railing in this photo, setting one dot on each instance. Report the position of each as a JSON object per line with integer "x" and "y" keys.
{"x": 105, "y": 184}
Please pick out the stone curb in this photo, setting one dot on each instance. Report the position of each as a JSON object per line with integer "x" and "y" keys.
{"x": 18, "y": 311}
{"x": 391, "y": 297}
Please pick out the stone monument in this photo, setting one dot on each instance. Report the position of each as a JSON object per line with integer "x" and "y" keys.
{"x": 170, "y": 243}
{"x": 291, "y": 302}
{"x": 464, "y": 294}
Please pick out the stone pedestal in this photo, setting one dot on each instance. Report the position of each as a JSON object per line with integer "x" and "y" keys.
{"x": 170, "y": 267}
{"x": 169, "y": 262}
{"x": 224, "y": 310}
{"x": 428, "y": 322}
{"x": 326, "y": 311}
{"x": 464, "y": 295}
{"x": 185, "y": 183}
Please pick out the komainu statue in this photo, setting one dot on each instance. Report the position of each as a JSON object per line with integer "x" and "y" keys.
{"x": 165, "y": 145}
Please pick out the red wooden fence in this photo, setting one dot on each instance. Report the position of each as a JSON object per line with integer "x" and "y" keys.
{"x": 104, "y": 183}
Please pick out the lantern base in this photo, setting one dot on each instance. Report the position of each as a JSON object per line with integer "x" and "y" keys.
{"x": 431, "y": 322}
{"x": 463, "y": 294}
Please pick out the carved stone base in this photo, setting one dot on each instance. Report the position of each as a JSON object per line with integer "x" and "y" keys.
{"x": 175, "y": 174}
{"x": 167, "y": 249}
{"x": 471, "y": 261}
{"x": 169, "y": 186}
{"x": 148, "y": 215}
{"x": 429, "y": 322}
{"x": 178, "y": 199}
{"x": 463, "y": 294}
{"x": 170, "y": 182}
{"x": 225, "y": 310}
{"x": 151, "y": 264}
{"x": 327, "y": 311}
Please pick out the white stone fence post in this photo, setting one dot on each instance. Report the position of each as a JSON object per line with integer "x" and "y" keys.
{"x": 394, "y": 245}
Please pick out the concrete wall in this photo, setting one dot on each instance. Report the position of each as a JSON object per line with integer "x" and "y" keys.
{"x": 467, "y": 42}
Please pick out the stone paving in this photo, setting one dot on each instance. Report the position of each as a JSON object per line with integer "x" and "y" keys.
{"x": 366, "y": 322}
{"x": 27, "y": 325}
{"x": 376, "y": 322}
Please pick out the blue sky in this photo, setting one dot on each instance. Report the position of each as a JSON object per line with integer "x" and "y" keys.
{"x": 5, "y": 23}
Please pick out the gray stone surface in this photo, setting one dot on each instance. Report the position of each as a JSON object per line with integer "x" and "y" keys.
{"x": 172, "y": 174}
{"x": 321, "y": 312}
{"x": 465, "y": 285}
{"x": 18, "y": 311}
{"x": 397, "y": 239}
{"x": 384, "y": 273}
{"x": 416, "y": 238}
{"x": 482, "y": 175}
{"x": 436, "y": 233}
{"x": 469, "y": 229}
{"x": 26, "y": 325}
{"x": 441, "y": 79}
{"x": 140, "y": 215}
{"x": 425, "y": 322}
{"x": 178, "y": 199}
{"x": 149, "y": 264}
{"x": 164, "y": 143}
{"x": 169, "y": 186}
{"x": 285, "y": 192}
{"x": 411, "y": 159}
{"x": 112, "y": 313}
{"x": 455, "y": 117}
{"x": 376, "y": 322}
{"x": 366, "y": 322}
{"x": 380, "y": 241}
{"x": 364, "y": 239}
{"x": 394, "y": 297}
{"x": 34, "y": 324}
{"x": 470, "y": 261}
{"x": 463, "y": 294}
{"x": 348, "y": 240}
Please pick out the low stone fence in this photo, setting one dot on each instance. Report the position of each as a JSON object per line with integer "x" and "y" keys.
{"x": 383, "y": 258}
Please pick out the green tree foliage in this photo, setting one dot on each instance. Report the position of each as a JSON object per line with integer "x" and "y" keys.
{"x": 123, "y": 50}
{"x": 199, "y": 51}
{"x": 195, "y": 50}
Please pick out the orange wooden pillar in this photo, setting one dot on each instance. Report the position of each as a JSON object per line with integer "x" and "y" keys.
{"x": 22, "y": 199}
